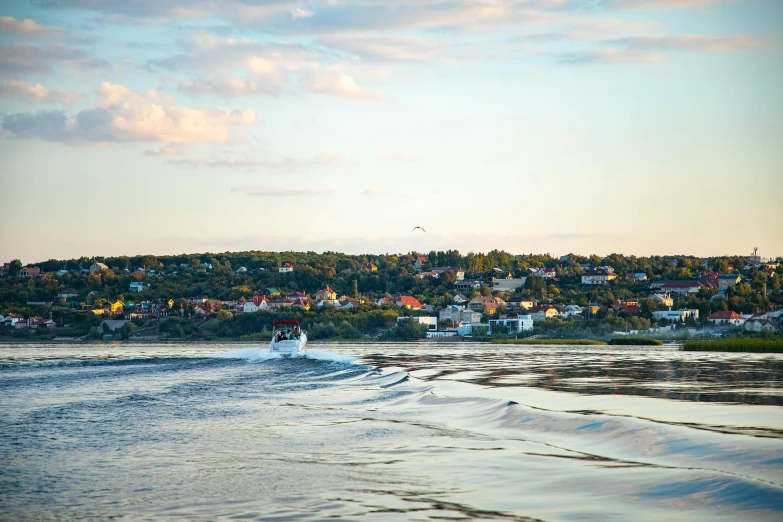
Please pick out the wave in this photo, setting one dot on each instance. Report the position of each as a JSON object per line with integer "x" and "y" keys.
{"x": 263, "y": 354}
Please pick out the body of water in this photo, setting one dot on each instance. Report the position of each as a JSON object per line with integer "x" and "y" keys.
{"x": 389, "y": 432}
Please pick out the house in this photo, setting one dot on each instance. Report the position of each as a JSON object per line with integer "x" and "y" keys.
{"x": 297, "y": 295}
{"x": 136, "y": 314}
{"x": 301, "y": 303}
{"x": 684, "y": 288}
{"x": 279, "y": 302}
{"x": 327, "y": 294}
{"x": 29, "y": 271}
{"x": 458, "y": 314}
{"x": 508, "y": 284}
{"x": 710, "y": 278}
{"x": 467, "y": 329}
{"x": 70, "y": 293}
{"x": 286, "y": 268}
{"x": 467, "y": 286}
{"x": 676, "y": 315}
{"x": 514, "y": 325}
{"x": 368, "y": 267}
{"x": 635, "y": 276}
{"x": 406, "y": 301}
{"x": 726, "y": 318}
{"x": 138, "y": 286}
{"x": 662, "y": 299}
{"x": 543, "y": 312}
{"x": 485, "y": 304}
{"x": 571, "y": 310}
{"x": 259, "y": 302}
{"x": 386, "y": 301}
{"x": 459, "y": 299}
{"x": 97, "y": 268}
{"x": 12, "y": 319}
{"x": 430, "y": 322}
{"x": 519, "y": 303}
{"x": 273, "y": 292}
{"x": 726, "y": 281}
{"x": 458, "y": 272}
{"x": 547, "y": 273}
{"x": 758, "y": 325}
{"x": 115, "y": 307}
{"x": 419, "y": 262}
{"x": 43, "y": 323}
{"x": 598, "y": 276}
{"x": 629, "y": 305}
{"x": 241, "y": 270}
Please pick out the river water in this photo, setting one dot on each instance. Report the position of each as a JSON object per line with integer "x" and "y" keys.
{"x": 389, "y": 432}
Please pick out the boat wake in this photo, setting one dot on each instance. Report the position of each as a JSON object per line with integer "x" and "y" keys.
{"x": 263, "y": 354}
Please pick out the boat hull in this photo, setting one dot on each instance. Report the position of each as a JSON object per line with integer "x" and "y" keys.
{"x": 292, "y": 348}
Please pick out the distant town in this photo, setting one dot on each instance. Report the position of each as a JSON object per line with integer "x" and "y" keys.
{"x": 236, "y": 296}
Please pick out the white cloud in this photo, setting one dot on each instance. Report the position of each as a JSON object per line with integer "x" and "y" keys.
{"x": 37, "y": 92}
{"x": 334, "y": 81}
{"x": 227, "y": 87}
{"x": 28, "y": 28}
{"x": 123, "y": 115}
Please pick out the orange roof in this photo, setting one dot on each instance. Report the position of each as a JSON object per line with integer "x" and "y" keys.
{"x": 407, "y": 300}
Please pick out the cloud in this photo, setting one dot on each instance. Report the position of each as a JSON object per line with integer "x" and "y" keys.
{"x": 688, "y": 42}
{"x": 390, "y": 156}
{"x": 227, "y": 87}
{"x": 599, "y": 56}
{"x": 28, "y": 28}
{"x": 390, "y": 48}
{"x": 333, "y": 81}
{"x": 121, "y": 115}
{"x": 284, "y": 165}
{"x": 267, "y": 192}
{"x": 659, "y": 4}
{"x": 16, "y": 58}
{"x": 37, "y": 92}
{"x": 379, "y": 193}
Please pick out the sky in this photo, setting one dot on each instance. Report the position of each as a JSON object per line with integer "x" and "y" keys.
{"x": 643, "y": 127}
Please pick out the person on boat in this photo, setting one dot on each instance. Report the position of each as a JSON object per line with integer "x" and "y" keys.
{"x": 297, "y": 333}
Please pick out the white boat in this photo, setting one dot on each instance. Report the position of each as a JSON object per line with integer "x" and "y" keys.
{"x": 288, "y": 339}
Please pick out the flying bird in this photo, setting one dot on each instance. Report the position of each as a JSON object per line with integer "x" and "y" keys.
{"x": 414, "y": 228}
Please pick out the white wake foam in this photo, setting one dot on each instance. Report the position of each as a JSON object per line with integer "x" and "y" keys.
{"x": 248, "y": 354}
{"x": 263, "y": 354}
{"x": 324, "y": 355}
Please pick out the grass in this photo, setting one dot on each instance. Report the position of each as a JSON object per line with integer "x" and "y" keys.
{"x": 547, "y": 341}
{"x": 736, "y": 344}
{"x": 636, "y": 341}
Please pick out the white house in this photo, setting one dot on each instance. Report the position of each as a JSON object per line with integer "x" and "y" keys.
{"x": 676, "y": 315}
{"x": 467, "y": 328}
{"x": 430, "y": 322}
{"x": 241, "y": 270}
{"x": 459, "y": 314}
{"x": 515, "y": 325}
{"x": 467, "y": 286}
{"x": 547, "y": 273}
{"x": 508, "y": 285}
{"x": 571, "y": 310}
{"x": 287, "y": 267}
{"x": 459, "y": 299}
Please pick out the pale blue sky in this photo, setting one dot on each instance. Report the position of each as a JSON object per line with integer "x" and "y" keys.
{"x": 593, "y": 126}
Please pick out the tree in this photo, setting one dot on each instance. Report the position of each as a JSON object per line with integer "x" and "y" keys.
{"x": 128, "y": 330}
{"x": 449, "y": 277}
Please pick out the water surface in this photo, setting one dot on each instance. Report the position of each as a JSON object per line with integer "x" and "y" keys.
{"x": 392, "y": 431}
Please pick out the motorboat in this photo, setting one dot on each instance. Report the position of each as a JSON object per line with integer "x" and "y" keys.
{"x": 288, "y": 339}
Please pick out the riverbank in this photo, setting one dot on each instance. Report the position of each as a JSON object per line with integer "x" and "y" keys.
{"x": 586, "y": 342}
